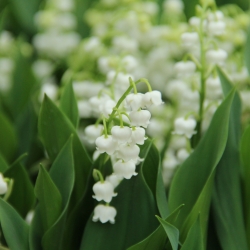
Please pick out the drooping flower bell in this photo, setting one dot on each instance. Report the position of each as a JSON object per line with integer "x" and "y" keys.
{"x": 152, "y": 98}
{"x": 121, "y": 134}
{"x": 3, "y": 185}
{"x": 92, "y": 132}
{"x": 128, "y": 152}
{"x": 134, "y": 101}
{"x": 125, "y": 169}
{"x": 104, "y": 190}
{"x": 140, "y": 118}
{"x": 106, "y": 144}
{"x": 138, "y": 135}
{"x": 104, "y": 213}
{"x": 185, "y": 127}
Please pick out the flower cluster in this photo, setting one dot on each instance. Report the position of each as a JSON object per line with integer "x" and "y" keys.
{"x": 121, "y": 141}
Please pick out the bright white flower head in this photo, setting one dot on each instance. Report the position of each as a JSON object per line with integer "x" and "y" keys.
{"x": 152, "y": 98}
{"x": 107, "y": 107}
{"x": 121, "y": 134}
{"x": 106, "y": 144}
{"x": 125, "y": 169}
{"x": 216, "y": 28}
{"x": 103, "y": 191}
{"x": 182, "y": 155}
{"x": 3, "y": 185}
{"x": 213, "y": 87}
{"x": 185, "y": 127}
{"x": 92, "y": 132}
{"x": 216, "y": 56}
{"x": 114, "y": 179}
{"x": 134, "y": 101}
{"x": 138, "y": 135}
{"x": 104, "y": 213}
{"x": 130, "y": 63}
{"x": 128, "y": 152}
{"x": 185, "y": 68}
{"x": 96, "y": 102}
{"x": 190, "y": 39}
{"x": 140, "y": 118}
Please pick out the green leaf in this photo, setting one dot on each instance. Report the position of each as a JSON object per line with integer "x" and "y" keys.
{"x": 227, "y": 198}
{"x": 55, "y": 128}
{"x": 151, "y": 167}
{"x": 23, "y": 83}
{"x": 49, "y": 198}
{"x": 191, "y": 177}
{"x": 247, "y": 51}
{"x": 3, "y": 164}
{"x": 172, "y": 233}
{"x": 68, "y": 104}
{"x": 157, "y": 239}
{"x": 15, "y": 229}
{"x": 245, "y": 156}
{"x": 133, "y": 197}
{"x": 24, "y": 11}
{"x": 189, "y": 7}
{"x": 194, "y": 238}
{"x": 22, "y": 197}
{"x": 62, "y": 175}
{"x": 8, "y": 139}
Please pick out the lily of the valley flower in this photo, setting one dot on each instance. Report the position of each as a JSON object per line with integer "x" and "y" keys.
{"x": 152, "y": 98}
{"x": 140, "y": 118}
{"x": 121, "y": 134}
{"x": 184, "y": 127}
{"x": 92, "y": 132}
{"x": 106, "y": 144}
{"x": 103, "y": 190}
{"x": 125, "y": 169}
{"x": 3, "y": 185}
{"x": 104, "y": 214}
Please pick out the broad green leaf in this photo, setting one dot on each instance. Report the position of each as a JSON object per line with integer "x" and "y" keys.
{"x": 15, "y": 229}
{"x": 8, "y": 138}
{"x": 62, "y": 174}
{"x": 192, "y": 176}
{"x": 55, "y": 129}
{"x": 3, "y": 164}
{"x": 157, "y": 239}
{"x": 24, "y": 11}
{"x": 151, "y": 167}
{"x": 245, "y": 156}
{"x": 68, "y": 104}
{"x": 133, "y": 221}
{"x": 194, "y": 238}
{"x": 22, "y": 197}
{"x": 172, "y": 233}
{"x": 49, "y": 198}
{"x": 227, "y": 198}
{"x": 23, "y": 83}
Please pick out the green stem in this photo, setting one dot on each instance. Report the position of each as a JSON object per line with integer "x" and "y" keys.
{"x": 98, "y": 175}
{"x": 105, "y": 127}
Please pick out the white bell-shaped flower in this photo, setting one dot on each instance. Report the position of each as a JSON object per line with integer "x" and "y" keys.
{"x": 121, "y": 134}
{"x": 140, "y": 118}
{"x": 106, "y": 144}
{"x": 104, "y": 213}
{"x": 152, "y": 98}
{"x": 216, "y": 56}
{"x": 104, "y": 191}
{"x": 107, "y": 107}
{"x": 185, "y": 127}
{"x": 213, "y": 87}
{"x": 190, "y": 39}
{"x": 3, "y": 185}
{"x": 185, "y": 68}
{"x": 128, "y": 152}
{"x": 114, "y": 179}
{"x": 182, "y": 155}
{"x": 134, "y": 101}
{"x": 138, "y": 135}
{"x": 96, "y": 102}
{"x": 125, "y": 169}
{"x": 93, "y": 131}
{"x": 216, "y": 28}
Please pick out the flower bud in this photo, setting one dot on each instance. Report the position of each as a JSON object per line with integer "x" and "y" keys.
{"x": 3, "y": 185}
